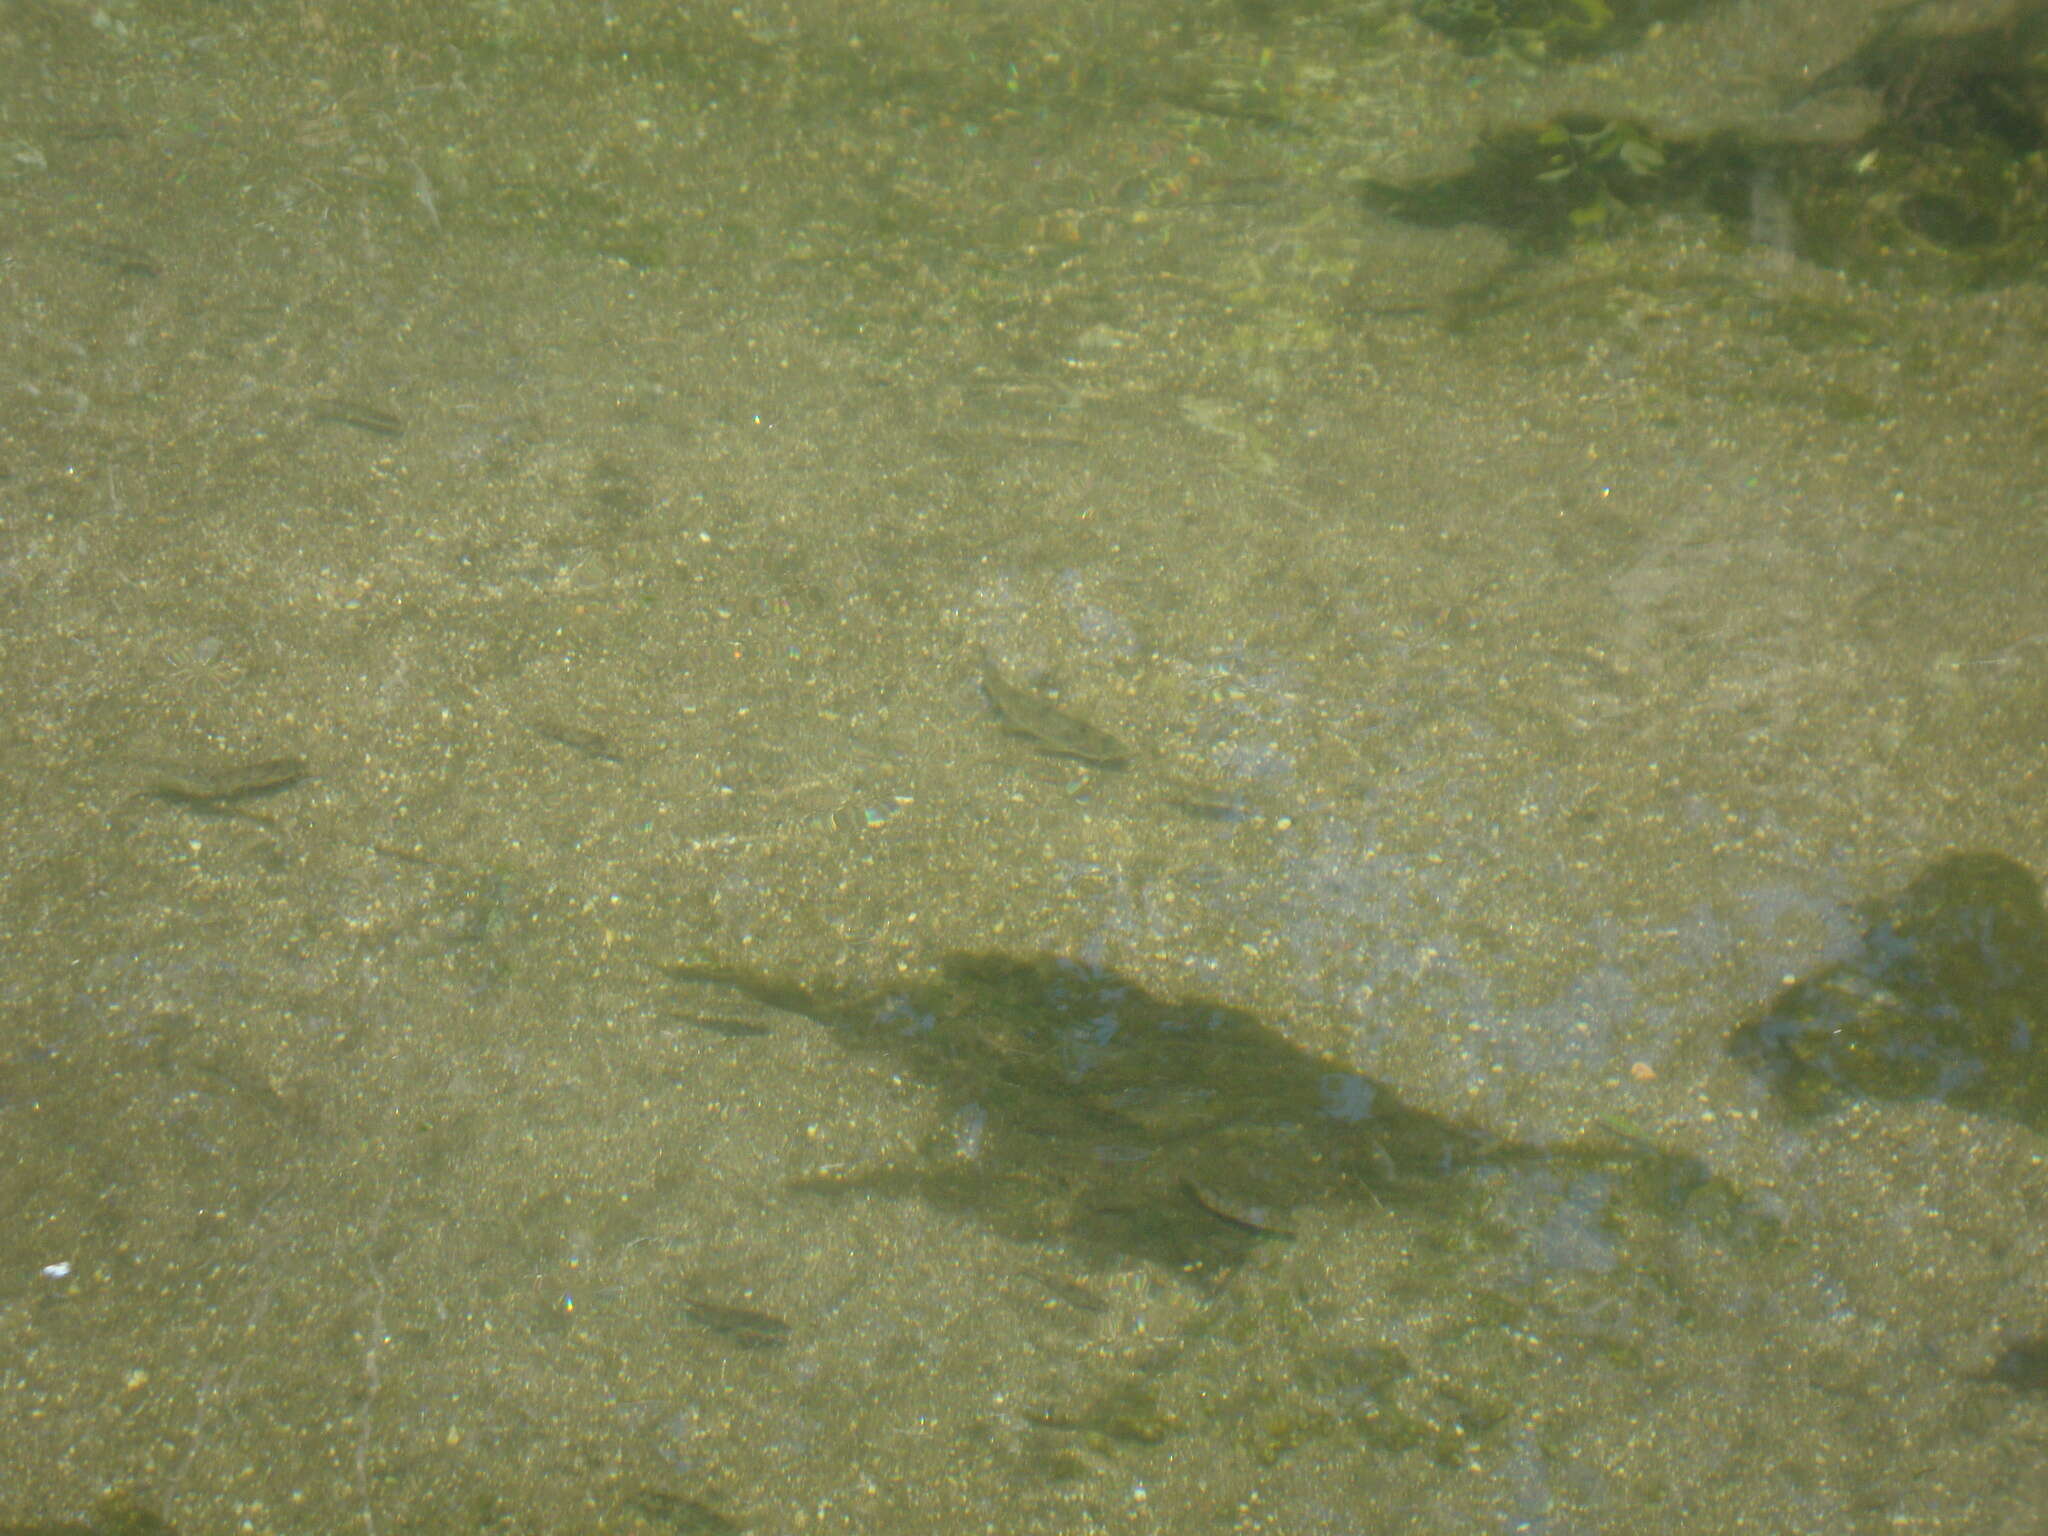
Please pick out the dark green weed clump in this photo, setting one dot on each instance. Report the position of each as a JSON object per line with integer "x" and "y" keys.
{"x": 1950, "y": 183}
{"x": 1548, "y": 29}
{"x": 1946, "y": 998}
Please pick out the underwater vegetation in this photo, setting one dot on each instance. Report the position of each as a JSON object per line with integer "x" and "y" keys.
{"x": 1548, "y": 29}
{"x": 1083, "y": 1110}
{"x": 1121, "y": 1129}
{"x": 1945, "y": 997}
{"x": 1953, "y": 176}
{"x": 1573, "y": 175}
{"x": 1950, "y": 182}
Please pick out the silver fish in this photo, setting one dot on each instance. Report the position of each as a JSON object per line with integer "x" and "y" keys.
{"x": 1048, "y": 727}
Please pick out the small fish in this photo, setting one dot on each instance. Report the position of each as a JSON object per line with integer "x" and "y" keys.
{"x": 1071, "y": 1292}
{"x": 579, "y": 739}
{"x": 723, "y": 1025}
{"x": 116, "y": 256}
{"x": 221, "y": 788}
{"x": 739, "y": 1325}
{"x": 1222, "y": 806}
{"x": 1224, "y": 810}
{"x": 1128, "y": 1413}
{"x": 1048, "y": 727}
{"x": 251, "y": 1088}
{"x": 783, "y": 997}
{"x": 1246, "y": 1218}
{"x": 685, "y": 1517}
{"x": 353, "y": 413}
{"x": 89, "y": 132}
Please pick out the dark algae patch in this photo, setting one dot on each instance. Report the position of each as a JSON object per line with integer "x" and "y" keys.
{"x": 1081, "y": 1109}
{"x": 1949, "y": 184}
{"x": 2022, "y": 1366}
{"x": 1952, "y": 180}
{"x": 1121, "y": 1129}
{"x": 1577, "y": 174}
{"x": 1945, "y": 997}
{"x": 1548, "y": 29}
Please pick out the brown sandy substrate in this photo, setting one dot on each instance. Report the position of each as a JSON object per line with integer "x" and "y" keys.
{"x": 725, "y": 382}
